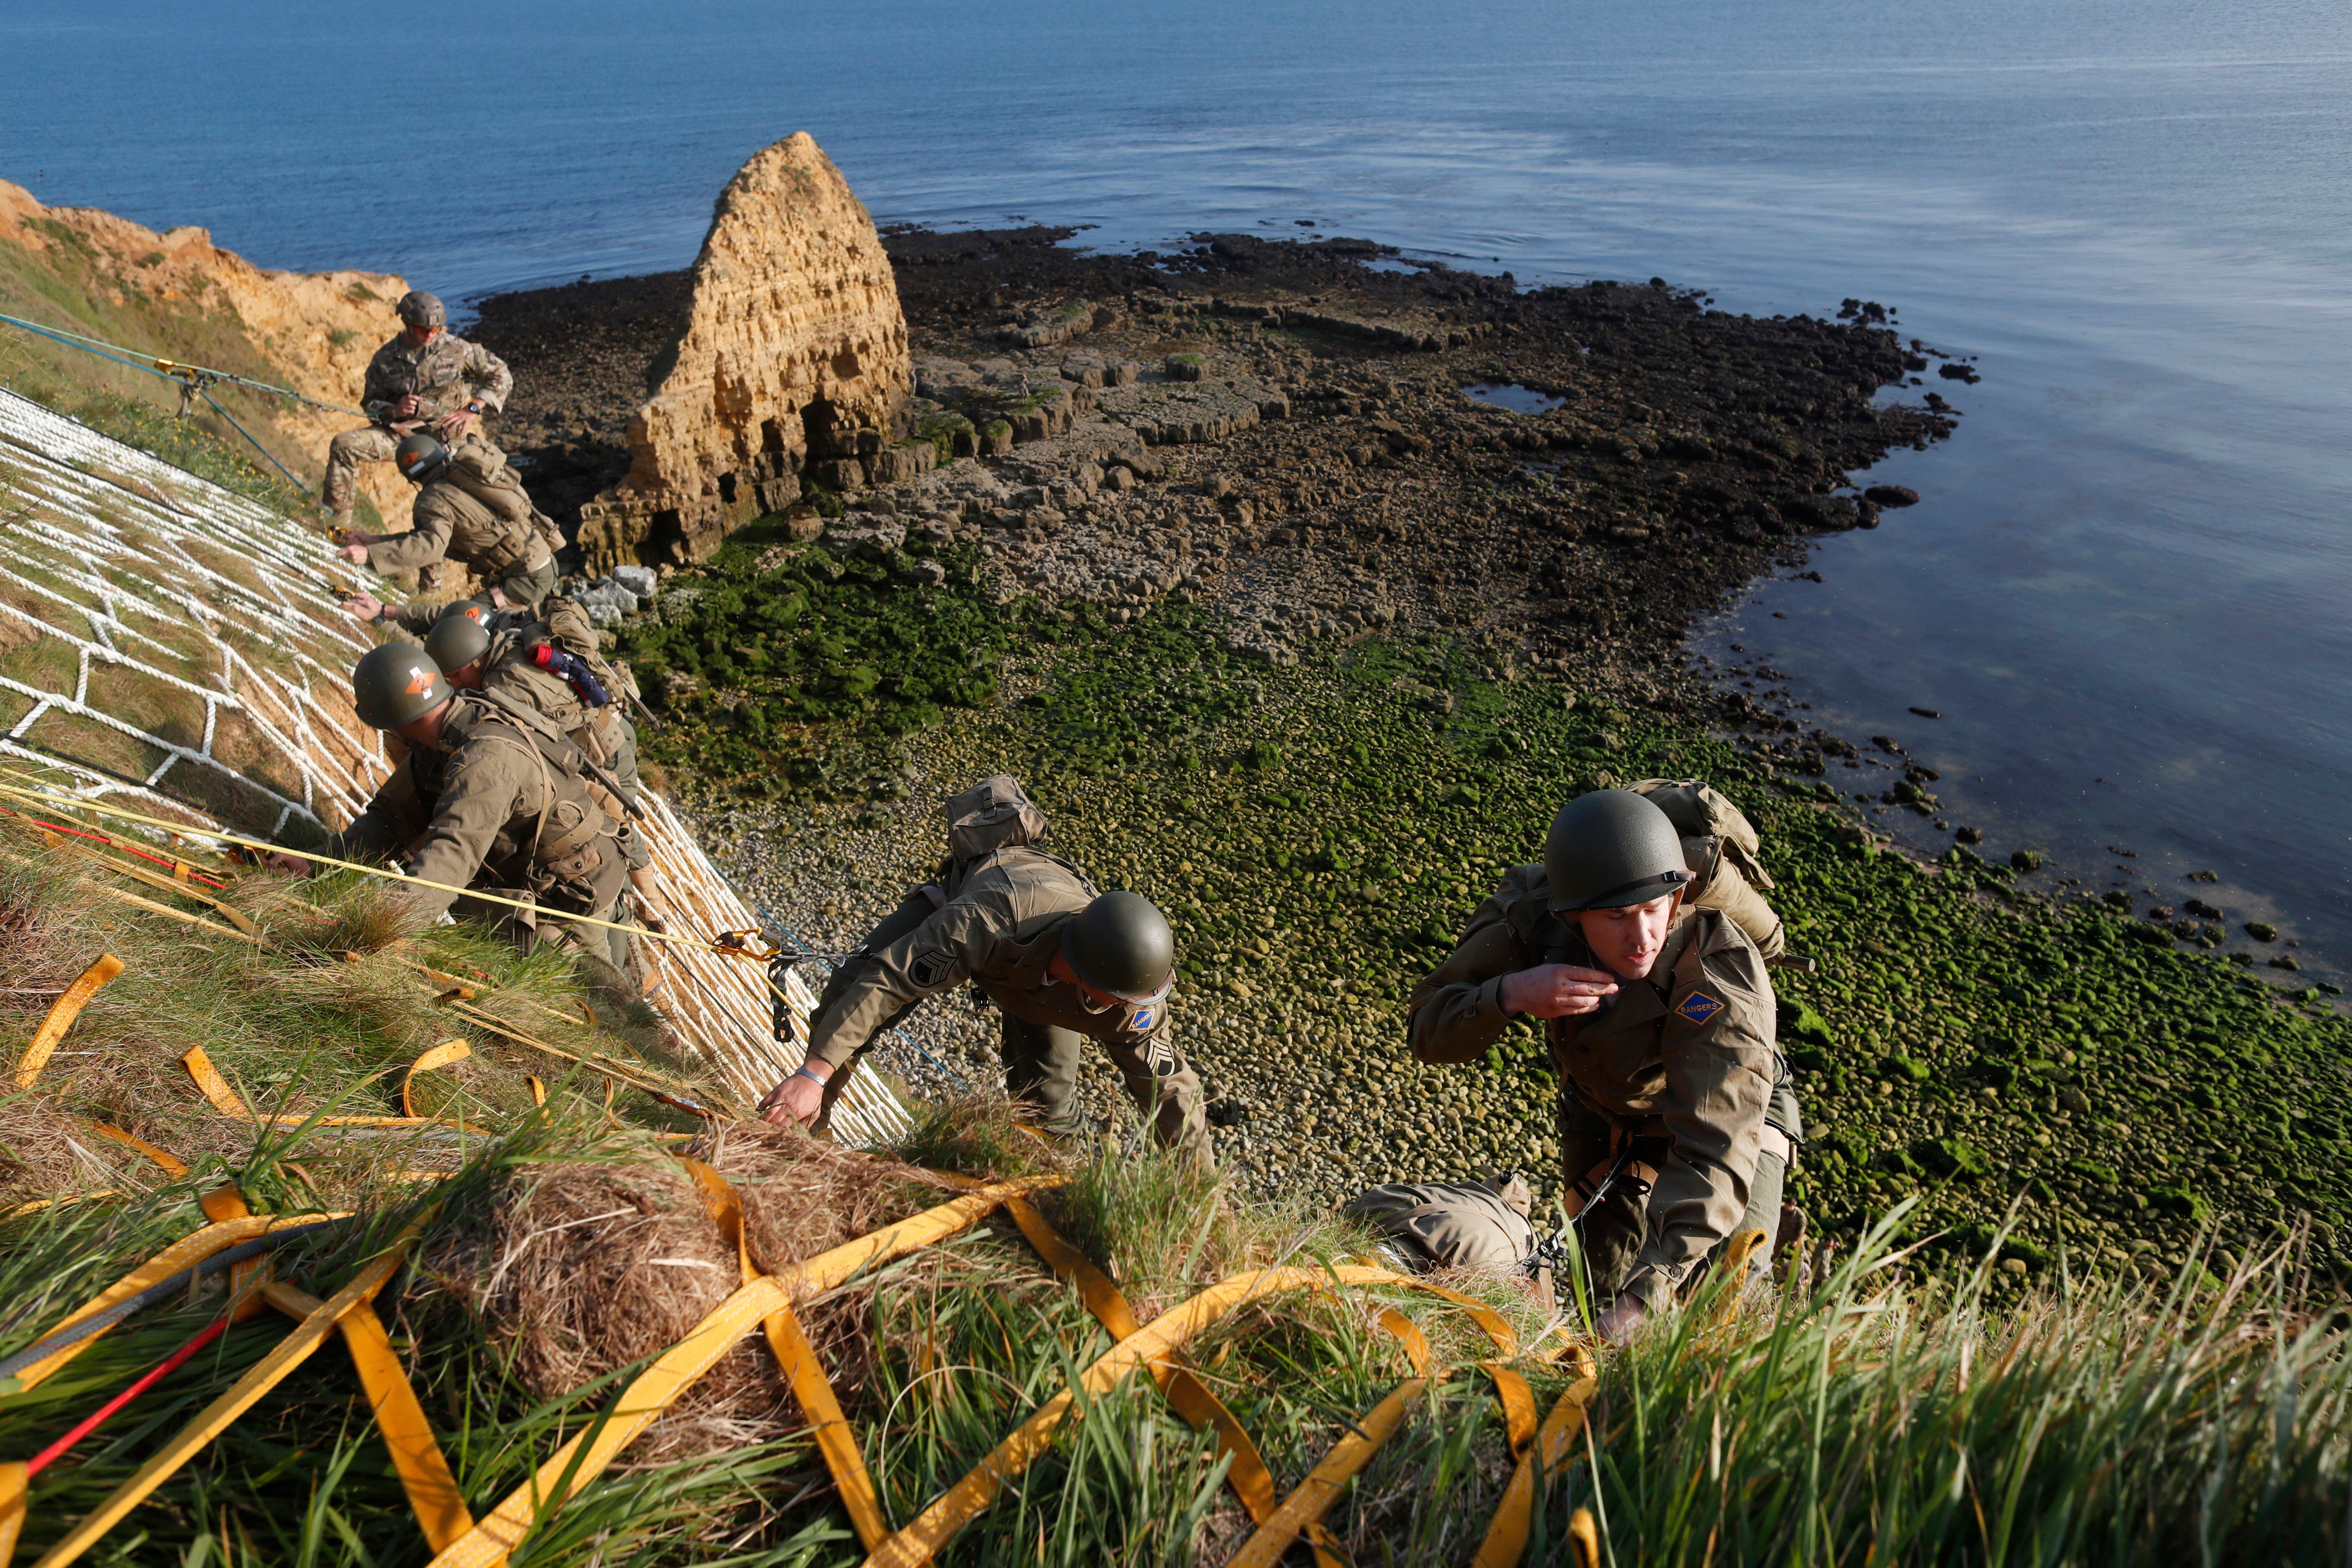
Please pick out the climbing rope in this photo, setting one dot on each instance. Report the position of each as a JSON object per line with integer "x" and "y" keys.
{"x": 172, "y": 370}
{"x": 193, "y": 381}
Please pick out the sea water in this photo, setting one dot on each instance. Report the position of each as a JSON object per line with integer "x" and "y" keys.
{"x": 2125, "y": 589}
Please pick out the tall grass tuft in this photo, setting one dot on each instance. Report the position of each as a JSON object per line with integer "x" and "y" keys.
{"x": 1896, "y": 1418}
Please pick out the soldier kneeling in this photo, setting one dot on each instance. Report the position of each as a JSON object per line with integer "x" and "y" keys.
{"x": 490, "y": 798}
{"x": 1676, "y": 1116}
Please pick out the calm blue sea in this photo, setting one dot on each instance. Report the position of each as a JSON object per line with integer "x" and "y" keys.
{"x": 2126, "y": 588}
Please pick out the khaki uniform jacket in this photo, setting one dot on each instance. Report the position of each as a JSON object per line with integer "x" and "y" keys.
{"x": 1686, "y": 1054}
{"x": 489, "y": 808}
{"x": 1001, "y": 924}
{"x": 478, "y": 514}
{"x": 446, "y": 374}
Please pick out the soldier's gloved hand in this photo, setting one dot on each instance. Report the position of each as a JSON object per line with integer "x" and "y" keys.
{"x": 1622, "y": 1319}
{"x": 799, "y": 1097}
{"x": 1557, "y": 990}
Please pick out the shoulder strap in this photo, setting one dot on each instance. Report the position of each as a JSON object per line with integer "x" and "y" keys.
{"x": 559, "y": 747}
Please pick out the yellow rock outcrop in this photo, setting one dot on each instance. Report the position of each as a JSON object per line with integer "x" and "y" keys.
{"x": 794, "y": 362}
{"x": 180, "y": 296}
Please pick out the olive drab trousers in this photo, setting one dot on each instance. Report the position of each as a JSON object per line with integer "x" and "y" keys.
{"x": 1613, "y": 1231}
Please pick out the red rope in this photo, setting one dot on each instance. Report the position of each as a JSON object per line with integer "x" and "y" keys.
{"x": 33, "y": 1466}
{"x": 194, "y": 874}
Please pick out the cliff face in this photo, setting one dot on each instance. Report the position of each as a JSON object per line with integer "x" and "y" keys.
{"x": 180, "y": 296}
{"x": 793, "y": 360}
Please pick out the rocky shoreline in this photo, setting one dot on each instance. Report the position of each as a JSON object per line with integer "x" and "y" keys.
{"x": 1298, "y": 636}
{"x": 1280, "y": 428}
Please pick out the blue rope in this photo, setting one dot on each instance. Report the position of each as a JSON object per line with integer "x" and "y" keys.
{"x": 300, "y": 489}
{"x": 197, "y": 379}
{"x": 165, "y": 367}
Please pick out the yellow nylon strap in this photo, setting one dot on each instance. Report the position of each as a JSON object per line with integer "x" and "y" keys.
{"x": 226, "y": 1203}
{"x": 1408, "y": 1334}
{"x": 172, "y": 1164}
{"x": 188, "y": 1249}
{"x": 1506, "y": 1542}
{"x": 62, "y": 1013}
{"x": 225, "y": 1101}
{"x": 1247, "y": 1470}
{"x": 1329, "y": 1552}
{"x": 215, "y": 1418}
{"x": 1584, "y": 1540}
{"x": 580, "y": 1461}
{"x": 1518, "y": 1404}
{"x": 440, "y": 1056}
{"x": 1177, "y": 1326}
{"x": 425, "y": 1476}
{"x": 1306, "y": 1507}
{"x": 828, "y": 1426}
{"x": 13, "y": 1482}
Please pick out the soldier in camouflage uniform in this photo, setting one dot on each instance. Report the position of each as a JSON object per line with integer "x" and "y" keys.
{"x": 1032, "y": 934}
{"x": 1676, "y": 1116}
{"x": 470, "y": 509}
{"x": 422, "y": 380}
{"x": 492, "y": 798}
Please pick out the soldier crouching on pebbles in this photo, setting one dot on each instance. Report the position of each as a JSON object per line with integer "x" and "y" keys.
{"x": 1675, "y": 1114}
{"x": 1032, "y": 934}
{"x": 423, "y": 380}
{"x": 490, "y": 799}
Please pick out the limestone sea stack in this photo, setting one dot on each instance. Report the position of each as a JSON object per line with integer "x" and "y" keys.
{"x": 793, "y": 363}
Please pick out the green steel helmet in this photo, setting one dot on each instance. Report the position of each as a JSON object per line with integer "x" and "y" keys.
{"x": 419, "y": 308}
{"x": 395, "y": 684}
{"x": 420, "y": 458}
{"x": 458, "y": 637}
{"x": 1611, "y": 849}
{"x": 1121, "y": 944}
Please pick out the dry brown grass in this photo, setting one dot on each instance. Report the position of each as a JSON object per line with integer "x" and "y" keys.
{"x": 580, "y": 1270}
{"x": 802, "y": 1195}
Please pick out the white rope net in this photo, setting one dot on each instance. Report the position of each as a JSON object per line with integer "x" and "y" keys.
{"x": 181, "y": 650}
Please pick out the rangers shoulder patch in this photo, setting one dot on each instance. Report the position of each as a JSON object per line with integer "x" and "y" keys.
{"x": 1698, "y": 1007}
